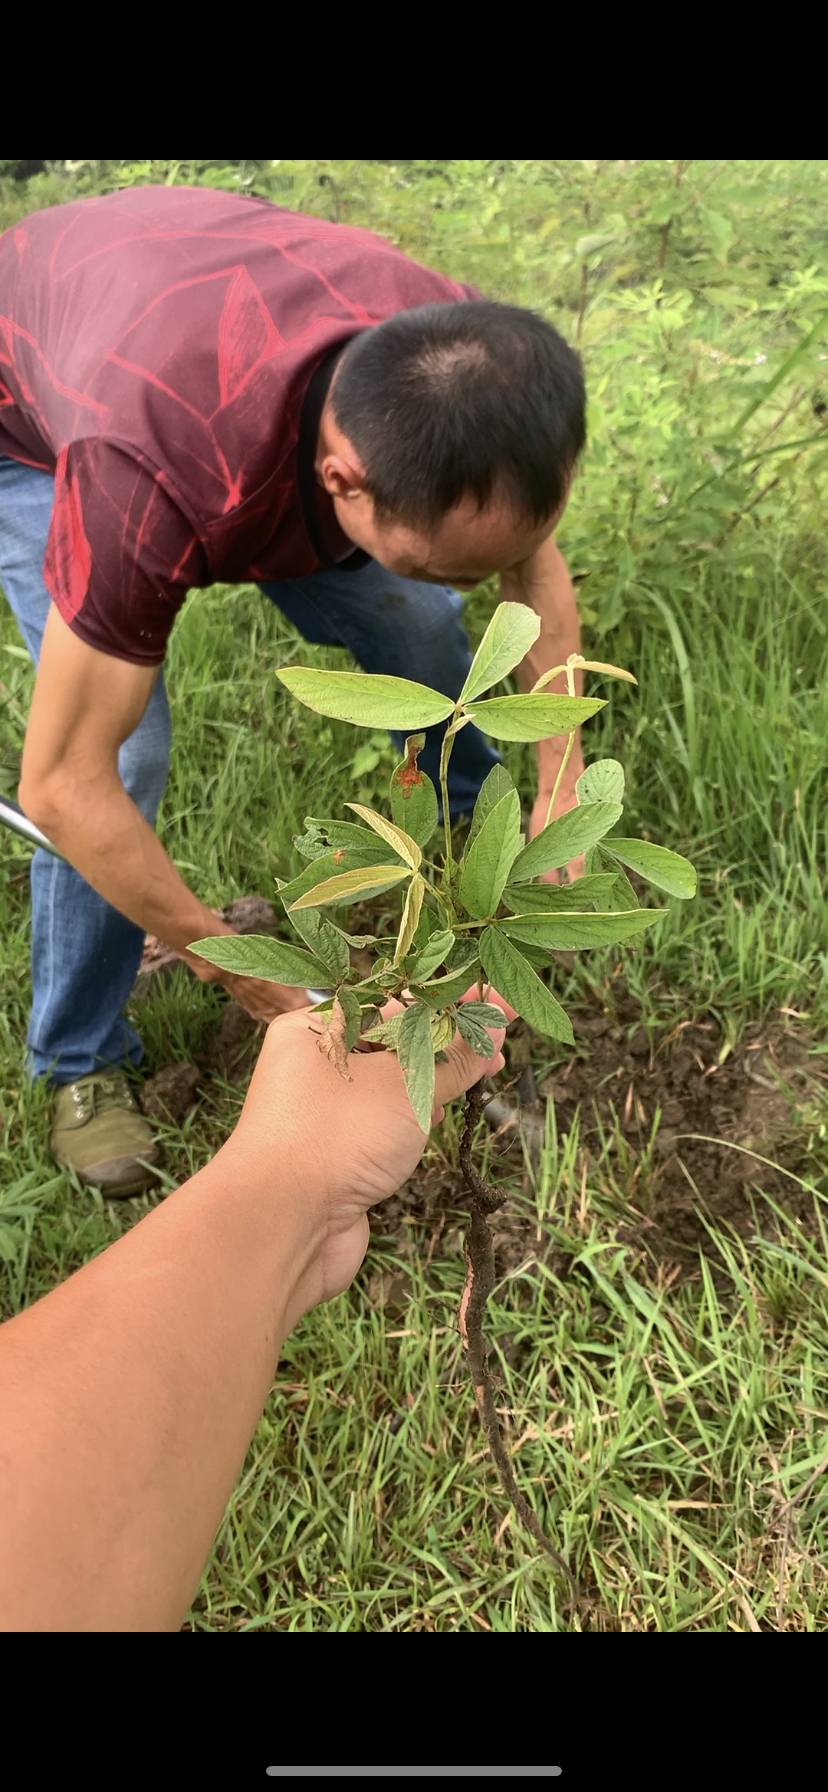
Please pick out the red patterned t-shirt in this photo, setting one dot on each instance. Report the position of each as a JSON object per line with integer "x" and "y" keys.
{"x": 156, "y": 347}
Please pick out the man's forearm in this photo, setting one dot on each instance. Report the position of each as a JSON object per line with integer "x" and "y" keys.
{"x": 98, "y": 828}
{"x": 550, "y": 593}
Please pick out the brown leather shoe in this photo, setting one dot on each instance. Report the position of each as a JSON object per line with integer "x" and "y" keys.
{"x": 101, "y": 1134}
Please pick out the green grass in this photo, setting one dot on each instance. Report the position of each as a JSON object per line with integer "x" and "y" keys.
{"x": 658, "y": 1426}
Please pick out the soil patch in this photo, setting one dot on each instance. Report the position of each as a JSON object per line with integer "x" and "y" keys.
{"x": 762, "y": 1096}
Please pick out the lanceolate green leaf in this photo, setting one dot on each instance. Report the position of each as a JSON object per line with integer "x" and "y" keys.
{"x": 564, "y": 839}
{"x": 440, "y": 992}
{"x": 256, "y": 955}
{"x": 514, "y": 628}
{"x": 367, "y": 699}
{"x": 394, "y": 837}
{"x": 413, "y": 796}
{"x": 431, "y": 956}
{"x": 325, "y": 941}
{"x": 494, "y": 787}
{"x": 350, "y": 1004}
{"x": 621, "y": 894}
{"x": 347, "y": 834}
{"x": 416, "y": 1055}
{"x": 602, "y": 782}
{"x": 532, "y": 718}
{"x": 508, "y": 972}
{"x": 347, "y": 886}
{"x": 565, "y": 933}
{"x": 487, "y": 864}
{"x": 551, "y": 899}
{"x": 666, "y": 870}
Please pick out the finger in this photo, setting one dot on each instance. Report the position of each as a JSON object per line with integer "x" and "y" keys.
{"x": 575, "y": 869}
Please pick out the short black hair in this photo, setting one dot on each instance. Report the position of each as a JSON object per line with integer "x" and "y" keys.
{"x": 470, "y": 399}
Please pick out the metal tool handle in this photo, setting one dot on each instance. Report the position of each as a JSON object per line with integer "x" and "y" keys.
{"x": 12, "y": 816}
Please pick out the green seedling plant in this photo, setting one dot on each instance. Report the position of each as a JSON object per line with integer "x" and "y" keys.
{"x": 487, "y": 922}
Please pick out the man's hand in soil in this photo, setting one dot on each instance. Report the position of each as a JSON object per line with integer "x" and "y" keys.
{"x": 129, "y": 1395}
{"x": 263, "y": 1000}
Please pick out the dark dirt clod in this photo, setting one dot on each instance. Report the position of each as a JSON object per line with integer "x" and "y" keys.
{"x": 171, "y": 1093}
{"x": 236, "y": 1044}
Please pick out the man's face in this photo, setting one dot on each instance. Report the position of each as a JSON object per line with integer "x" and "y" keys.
{"x": 466, "y": 546}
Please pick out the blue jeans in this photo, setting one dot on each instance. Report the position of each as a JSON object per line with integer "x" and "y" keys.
{"x": 85, "y": 954}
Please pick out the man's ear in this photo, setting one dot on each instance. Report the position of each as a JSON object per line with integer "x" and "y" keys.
{"x": 342, "y": 474}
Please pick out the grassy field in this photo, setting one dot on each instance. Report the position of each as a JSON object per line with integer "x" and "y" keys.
{"x": 662, "y": 1361}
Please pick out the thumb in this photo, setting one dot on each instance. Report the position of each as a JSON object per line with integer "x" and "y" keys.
{"x": 464, "y": 1068}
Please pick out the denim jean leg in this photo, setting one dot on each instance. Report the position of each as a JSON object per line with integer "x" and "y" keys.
{"x": 84, "y": 953}
{"x": 405, "y": 628}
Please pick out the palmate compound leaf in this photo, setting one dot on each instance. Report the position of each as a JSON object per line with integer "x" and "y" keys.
{"x": 256, "y": 955}
{"x": 602, "y": 782}
{"x": 487, "y": 862}
{"x": 514, "y": 628}
{"x": 492, "y": 790}
{"x": 532, "y": 718}
{"x": 567, "y": 933}
{"x": 473, "y": 1020}
{"x": 416, "y": 1054}
{"x": 413, "y": 796}
{"x": 508, "y": 972}
{"x": 667, "y": 870}
{"x": 564, "y": 839}
{"x": 367, "y": 699}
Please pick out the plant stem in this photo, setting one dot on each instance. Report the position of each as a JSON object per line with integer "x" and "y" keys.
{"x": 445, "y": 755}
{"x": 570, "y": 685}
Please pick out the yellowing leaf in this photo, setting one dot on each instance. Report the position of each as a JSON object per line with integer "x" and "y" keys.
{"x": 394, "y": 837}
{"x": 411, "y": 915}
{"x": 351, "y": 885}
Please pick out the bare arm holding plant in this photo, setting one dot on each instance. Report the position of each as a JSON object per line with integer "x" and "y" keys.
{"x": 129, "y": 1395}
